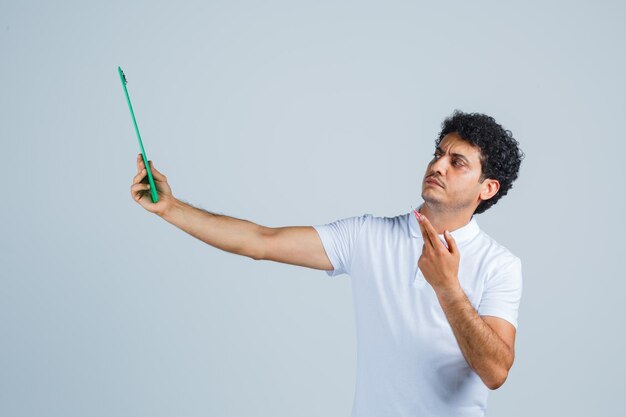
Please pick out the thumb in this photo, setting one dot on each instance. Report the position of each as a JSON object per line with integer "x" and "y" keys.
{"x": 451, "y": 242}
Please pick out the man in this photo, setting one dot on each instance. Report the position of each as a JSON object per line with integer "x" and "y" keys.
{"x": 436, "y": 299}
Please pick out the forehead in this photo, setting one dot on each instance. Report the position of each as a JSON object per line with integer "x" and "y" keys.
{"x": 454, "y": 143}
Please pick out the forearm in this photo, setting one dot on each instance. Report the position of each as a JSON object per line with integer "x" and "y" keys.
{"x": 483, "y": 349}
{"x": 241, "y": 237}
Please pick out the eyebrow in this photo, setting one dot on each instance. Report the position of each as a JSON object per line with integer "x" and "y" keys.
{"x": 454, "y": 154}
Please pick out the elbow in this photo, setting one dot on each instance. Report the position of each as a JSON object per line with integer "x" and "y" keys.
{"x": 501, "y": 373}
{"x": 258, "y": 250}
{"x": 256, "y": 253}
{"x": 497, "y": 380}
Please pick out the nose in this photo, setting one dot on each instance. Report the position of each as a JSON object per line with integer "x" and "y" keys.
{"x": 439, "y": 165}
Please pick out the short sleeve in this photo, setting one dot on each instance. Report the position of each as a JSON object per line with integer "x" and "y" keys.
{"x": 339, "y": 239}
{"x": 503, "y": 292}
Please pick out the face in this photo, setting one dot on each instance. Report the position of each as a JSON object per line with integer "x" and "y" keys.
{"x": 455, "y": 170}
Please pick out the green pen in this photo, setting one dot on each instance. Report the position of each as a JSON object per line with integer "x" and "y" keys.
{"x": 153, "y": 191}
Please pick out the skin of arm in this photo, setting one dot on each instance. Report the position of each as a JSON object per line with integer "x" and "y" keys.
{"x": 296, "y": 245}
{"x": 478, "y": 337}
{"x": 241, "y": 237}
{"x": 487, "y": 342}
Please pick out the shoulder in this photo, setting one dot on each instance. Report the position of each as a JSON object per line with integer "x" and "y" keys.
{"x": 496, "y": 255}
{"x": 393, "y": 224}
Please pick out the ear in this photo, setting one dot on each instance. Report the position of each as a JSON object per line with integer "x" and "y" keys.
{"x": 489, "y": 188}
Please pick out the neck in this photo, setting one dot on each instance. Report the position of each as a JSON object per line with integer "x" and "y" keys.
{"x": 444, "y": 219}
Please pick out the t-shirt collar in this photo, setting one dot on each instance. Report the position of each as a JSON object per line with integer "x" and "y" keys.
{"x": 460, "y": 235}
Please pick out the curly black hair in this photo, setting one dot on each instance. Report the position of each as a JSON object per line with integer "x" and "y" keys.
{"x": 500, "y": 156}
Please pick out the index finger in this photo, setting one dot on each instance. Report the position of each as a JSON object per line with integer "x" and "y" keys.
{"x": 425, "y": 235}
{"x": 139, "y": 162}
{"x": 430, "y": 232}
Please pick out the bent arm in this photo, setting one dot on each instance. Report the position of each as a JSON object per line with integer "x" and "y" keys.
{"x": 487, "y": 343}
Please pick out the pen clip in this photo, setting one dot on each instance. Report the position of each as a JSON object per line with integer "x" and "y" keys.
{"x": 124, "y": 76}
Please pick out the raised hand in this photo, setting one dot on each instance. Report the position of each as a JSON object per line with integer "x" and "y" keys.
{"x": 140, "y": 189}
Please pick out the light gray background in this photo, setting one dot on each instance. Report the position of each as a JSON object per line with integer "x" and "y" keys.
{"x": 291, "y": 113}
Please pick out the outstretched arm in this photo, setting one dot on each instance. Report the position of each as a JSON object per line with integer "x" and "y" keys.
{"x": 296, "y": 245}
{"x": 238, "y": 236}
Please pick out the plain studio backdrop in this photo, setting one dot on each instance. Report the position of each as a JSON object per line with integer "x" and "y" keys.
{"x": 291, "y": 113}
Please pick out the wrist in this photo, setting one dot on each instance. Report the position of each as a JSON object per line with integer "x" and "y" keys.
{"x": 450, "y": 293}
{"x": 171, "y": 209}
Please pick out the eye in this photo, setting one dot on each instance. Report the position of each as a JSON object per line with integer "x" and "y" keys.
{"x": 458, "y": 163}
{"x": 436, "y": 155}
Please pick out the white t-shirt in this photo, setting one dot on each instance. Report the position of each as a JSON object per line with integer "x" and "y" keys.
{"x": 408, "y": 360}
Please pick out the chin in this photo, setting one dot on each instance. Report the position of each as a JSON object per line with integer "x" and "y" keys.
{"x": 427, "y": 197}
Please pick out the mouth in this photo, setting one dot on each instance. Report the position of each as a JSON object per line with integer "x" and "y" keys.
{"x": 433, "y": 182}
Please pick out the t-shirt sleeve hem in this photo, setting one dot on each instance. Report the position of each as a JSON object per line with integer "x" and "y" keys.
{"x": 499, "y": 314}
{"x": 326, "y": 242}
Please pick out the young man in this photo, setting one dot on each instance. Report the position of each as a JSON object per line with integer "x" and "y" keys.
{"x": 436, "y": 299}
